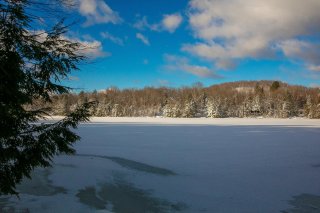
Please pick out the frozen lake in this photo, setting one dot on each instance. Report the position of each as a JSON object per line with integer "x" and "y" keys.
{"x": 182, "y": 165}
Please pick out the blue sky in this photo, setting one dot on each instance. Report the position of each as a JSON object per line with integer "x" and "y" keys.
{"x": 138, "y": 43}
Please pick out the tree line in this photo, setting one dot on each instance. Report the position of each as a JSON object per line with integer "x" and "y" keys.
{"x": 236, "y": 99}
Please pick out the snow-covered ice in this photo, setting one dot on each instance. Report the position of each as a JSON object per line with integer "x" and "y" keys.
{"x": 182, "y": 165}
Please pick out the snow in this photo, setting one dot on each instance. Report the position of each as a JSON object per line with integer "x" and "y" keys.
{"x": 188, "y": 165}
{"x": 297, "y": 122}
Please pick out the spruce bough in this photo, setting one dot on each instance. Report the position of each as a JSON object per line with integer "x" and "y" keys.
{"x": 32, "y": 63}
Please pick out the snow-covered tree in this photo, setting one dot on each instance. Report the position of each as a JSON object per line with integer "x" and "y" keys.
{"x": 176, "y": 111}
{"x": 168, "y": 110}
{"x": 308, "y": 108}
{"x": 189, "y": 110}
{"x": 116, "y": 111}
{"x": 286, "y": 110}
{"x": 103, "y": 109}
{"x": 317, "y": 113}
{"x": 245, "y": 108}
{"x": 269, "y": 107}
{"x": 214, "y": 108}
{"x": 256, "y": 106}
{"x": 314, "y": 111}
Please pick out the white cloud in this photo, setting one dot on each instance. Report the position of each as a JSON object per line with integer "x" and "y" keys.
{"x": 92, "y": 49}
{"x": 177, "y": 63}
{"x": 142, "y": 38}
{"x": 112, "y": 38}
{"x": 143, "y": 24}
{"x": 97, "y": 12}
{"x": 230, "y": 30}
{"x": 88, "y": 47}
{"x": 307, "y": 52}
{"x": 171, "y": 22}
{"x": 225, "y": 64}
{"x": 315, "y": 68}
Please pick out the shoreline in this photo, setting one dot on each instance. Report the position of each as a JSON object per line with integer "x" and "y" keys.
{"x": 296, "y": 122}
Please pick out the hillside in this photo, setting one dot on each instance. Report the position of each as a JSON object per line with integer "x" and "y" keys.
{"x": 233, "y": 99}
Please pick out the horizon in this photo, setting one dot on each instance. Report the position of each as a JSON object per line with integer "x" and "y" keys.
{"x": 137, "y": 44}
{"x": 195, "y": 84}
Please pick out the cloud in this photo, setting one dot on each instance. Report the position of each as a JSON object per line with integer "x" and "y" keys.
{"x": 142, "y": 38}
{"x": 88, "y": 46}
{"x": 92, "y": 49}
{"x": 171, "y": 22}
{"x": 315, "y": 68}
{"x": 225, "y": 64}
{"x": 307, "y": 52}
{"x": 231, "y": 30}
{"x": 112, "y": 38}
{"x": 98, "y": 12}
{"x": 178, "y": 63}
{"x": 143, "y": 24}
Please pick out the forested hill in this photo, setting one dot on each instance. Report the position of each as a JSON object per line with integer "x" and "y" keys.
{"x": 234, "y": 99}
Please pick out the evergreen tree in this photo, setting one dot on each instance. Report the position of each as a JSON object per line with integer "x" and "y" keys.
{"x": 214, "y": 109}
{"x": 269, "y": 107}
{"x": 317, "y": 111}
{"x": 246, "y": 107}
{"x": 308, "y": 108}
{"x": 274, "y": 86}
{"x": 116, "y": 111}
{"x": 176, "y": 112}
{"x": 168, "y": 110}
{"x": 101, "y": 109}
{"x": 210, "y": 109}
{"x": 288, "y": 108}
{"x": 31, "y": 66}
{"x": 189, "y": 110}
{"x": 256, "y": 106}
{"x": 237, "y": 99}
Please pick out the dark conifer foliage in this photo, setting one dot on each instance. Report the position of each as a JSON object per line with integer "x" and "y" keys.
{"x": 31, "y": 66}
